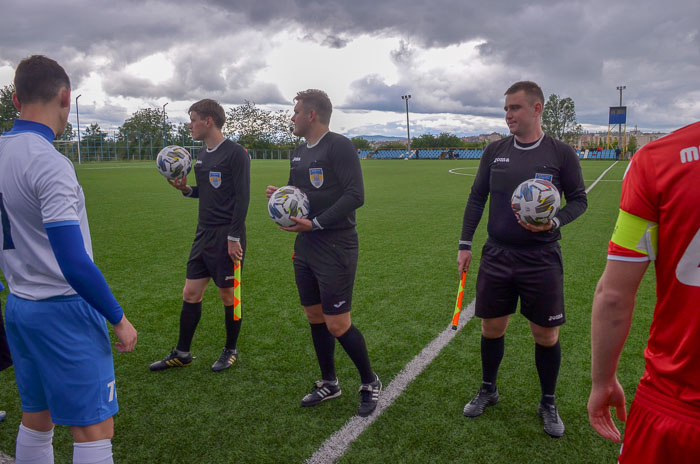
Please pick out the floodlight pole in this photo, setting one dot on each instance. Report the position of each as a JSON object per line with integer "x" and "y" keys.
{"x": 77, "y": 116}
{"x": 619, "y": 126}
{"x": 164, "y": 137}
{"x": 408, "y": 127}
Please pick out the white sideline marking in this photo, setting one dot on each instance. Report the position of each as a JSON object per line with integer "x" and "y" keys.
{"x": 338, "y": 443}
{"x": 334, "y": 448}
{"x": 82, "y": 167}
{"x": 600, "y": 177}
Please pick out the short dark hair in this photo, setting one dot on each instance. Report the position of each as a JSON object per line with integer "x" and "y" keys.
{"x": 209, "y": 108}
{"x": 532, "y": 91}
{"x": 317, "y": 100}
{"x": 39, "y": 79}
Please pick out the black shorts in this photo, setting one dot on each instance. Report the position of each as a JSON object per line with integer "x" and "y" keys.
{"x": 209, "y": 256}
{"x": 536, "y": 276}
{"x": 324, "y": 267}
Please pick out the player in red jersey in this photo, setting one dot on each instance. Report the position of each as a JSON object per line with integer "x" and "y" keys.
{"x": 658, "y": 221}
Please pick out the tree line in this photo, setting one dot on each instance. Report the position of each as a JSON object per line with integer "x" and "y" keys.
{"x": 257, "y": 128}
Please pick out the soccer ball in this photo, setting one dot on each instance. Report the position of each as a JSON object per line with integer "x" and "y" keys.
{"x": 288, "y": 201}
{"x": 535, "y": 201}
{"x": 174, "y": 162}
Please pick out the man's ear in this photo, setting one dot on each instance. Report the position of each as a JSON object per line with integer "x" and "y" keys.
{"x": 15, "y": 101}
{"x": 538, "y": 108}
{"x": 64, "y": 97}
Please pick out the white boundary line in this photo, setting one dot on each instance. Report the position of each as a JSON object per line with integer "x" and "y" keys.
{"x": 452, "y": 171}
{"x": 337, "y": 444}
{"x": 600, "y": 177}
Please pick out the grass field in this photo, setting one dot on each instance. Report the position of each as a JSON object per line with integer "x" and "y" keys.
{"x": 404, "y": 296}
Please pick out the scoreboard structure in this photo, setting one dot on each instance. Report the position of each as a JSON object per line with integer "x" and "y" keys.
{"x": 618, "y": 116}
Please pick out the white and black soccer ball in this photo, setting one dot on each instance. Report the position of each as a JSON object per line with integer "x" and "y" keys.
{"x": 174, "y": 161}
{"x": 535, "y": 201}
{"x": 285, "y": 202}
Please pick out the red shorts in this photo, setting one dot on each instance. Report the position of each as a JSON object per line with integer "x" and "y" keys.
{"x": 660, "y": 432}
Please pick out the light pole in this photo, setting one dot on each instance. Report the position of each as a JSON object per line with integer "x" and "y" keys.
{"x": 408, "y": 128}
{"x": 77, "y": 116}
{"x": 164, "y": 137}
{"x": 619, "y": 126}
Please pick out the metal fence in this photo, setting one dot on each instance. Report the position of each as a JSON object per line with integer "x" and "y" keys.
{"x": 111, "y": 148}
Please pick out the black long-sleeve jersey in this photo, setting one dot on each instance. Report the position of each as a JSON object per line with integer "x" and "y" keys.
{"x": 504, "y": 165}
{"x": 330, "y": 175}
{"x": 223, "y": 187}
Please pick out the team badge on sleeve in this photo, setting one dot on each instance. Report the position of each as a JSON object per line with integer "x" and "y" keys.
{"x": 316, "y": 177}
{"x": 215, "y": 179}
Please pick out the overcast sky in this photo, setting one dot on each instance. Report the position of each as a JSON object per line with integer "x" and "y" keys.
{"x": 455, "y": 57}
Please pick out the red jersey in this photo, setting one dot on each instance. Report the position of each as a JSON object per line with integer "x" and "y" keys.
{"x": 662, "y": 186}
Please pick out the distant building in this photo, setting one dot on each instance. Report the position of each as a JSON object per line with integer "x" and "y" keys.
{"x": 492, "y": 137}
{"x": 600, "y": 139}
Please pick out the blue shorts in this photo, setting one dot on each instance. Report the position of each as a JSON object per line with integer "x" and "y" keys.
{"x": 63, "y": 359}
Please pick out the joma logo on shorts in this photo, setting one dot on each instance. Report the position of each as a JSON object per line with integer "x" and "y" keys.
{"x": 690, "y": 154}
{"x": 554, "y": 318}
{"x": 229, "y": 278}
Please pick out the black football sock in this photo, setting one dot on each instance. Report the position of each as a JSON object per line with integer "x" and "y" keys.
{"x": 233, "y": 328}
{"x": 324, "y": 344}
{"x": 548, "y": 361}
{"x": 354, "y": 345}
{"x": 189, "y": 318}
{"x": 491, "y": 355}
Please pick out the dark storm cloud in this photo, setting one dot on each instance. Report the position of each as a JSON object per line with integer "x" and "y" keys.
{"x": 105, "y": 37}
{"x": 578, "y": 49}
{"x": 581, "y": 49}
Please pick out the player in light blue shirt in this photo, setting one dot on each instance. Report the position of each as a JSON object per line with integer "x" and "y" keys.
{"x": 58, "y": 300}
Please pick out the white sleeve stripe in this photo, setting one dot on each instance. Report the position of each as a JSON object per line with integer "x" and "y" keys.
{"x": 630, "y": 259}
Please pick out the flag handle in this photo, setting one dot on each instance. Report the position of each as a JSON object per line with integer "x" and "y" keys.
{"x": 458, "y": 305}
{"x": 236, "y": 290}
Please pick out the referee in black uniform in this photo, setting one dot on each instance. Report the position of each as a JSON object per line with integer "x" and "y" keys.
{"x": 521, "y": 261}
{"x": 222, "y": 170}
{"x": 327, "y": 169}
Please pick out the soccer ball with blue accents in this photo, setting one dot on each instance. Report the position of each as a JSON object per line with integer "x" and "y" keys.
{"x": 285, "y": 202}
{"x": 174, "y": 161}
{"x": 535, "y": 201}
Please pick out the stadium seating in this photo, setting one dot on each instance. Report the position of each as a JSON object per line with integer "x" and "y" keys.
{"x": 432, "y": 153}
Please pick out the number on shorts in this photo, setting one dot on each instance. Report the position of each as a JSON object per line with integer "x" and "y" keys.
{"x": 688, "y": 269}
{"x": 112, "y": 390}
{"x": 7, "y": 243}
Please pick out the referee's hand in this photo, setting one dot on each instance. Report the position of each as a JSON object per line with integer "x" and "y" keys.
{"x": 235, "y": 250}
{"x": 464, "y": 258}
{"x": 180, "y": 183}
{"x": 537, "y": 227}
{"x": 302, "y": 225}
{"x": 270, "y": 190}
